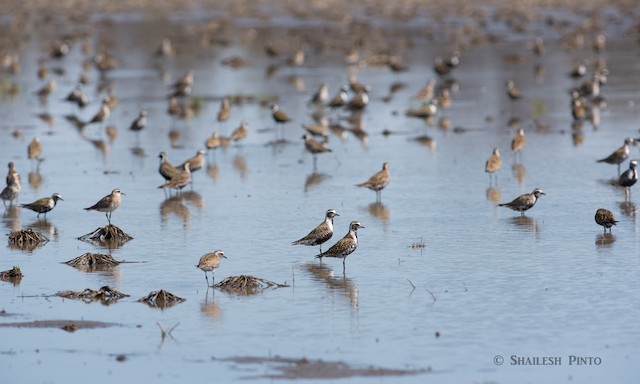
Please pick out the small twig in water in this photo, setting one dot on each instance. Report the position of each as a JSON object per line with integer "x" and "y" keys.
{"x": 414, "y": 287}
{"x": 166, "y": 333}
{"x": 432, "y": 295}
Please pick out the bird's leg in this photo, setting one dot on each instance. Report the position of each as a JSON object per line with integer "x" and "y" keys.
{"x": 206, "y": 278}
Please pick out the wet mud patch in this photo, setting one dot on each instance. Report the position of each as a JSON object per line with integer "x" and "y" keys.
{"x": 246, "y": 285}
{"x": 93, "y": 262}
{"x": 65, "y": 325}
{"x": 161, "y": 299}
{"x": 109, "y": 236}
{"x": 13, "y": 276}
{"x": 26, "y": 239}
{"x": 106, "y": 295}
{"x": 303, "y": 368}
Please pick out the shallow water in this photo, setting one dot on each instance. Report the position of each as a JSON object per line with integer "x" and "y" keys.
{"x": 487, "y": 281}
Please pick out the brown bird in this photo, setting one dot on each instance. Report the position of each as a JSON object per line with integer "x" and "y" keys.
{"x": 103, "y": 113}
{"x": 321, "y": 96}
{"x": 240, "y": 132}
{"x": 140, "y": 122}
{"x": 34, "y": 149}
{"x": 524, "y": 202}
{"x": 43, "y": 205}
{"x": 620, "y": 154}
{"x": 340, "y": 99}
{"x": 10, "y": 193}
{"x": 360, "y": 100}
{"x": 209, "y": 262}
{"x": 378, "y": 181}
{"x": 279, "y": 115}
{"x": 13, "y": 177}
{"x": 180, "y": 180}
{"x": 225, "y": 110}
{"x": 108, "y": 204}
{"x": 314, "y": 147}
{"x": 493, "y": 163}
{"x": 605, "y": 218}
{"x": 321, "y": 233}
{"x": 512, "y": 91}
{"x": 46, "y": 89}
{"x": 320, "y": 129}
{"x": 196, "y": 162}
{"x": 214, "y": 141}
{"x": 166, "y": 170}
{"x": 518, "y": 142}
{"x": 345, "y": 246}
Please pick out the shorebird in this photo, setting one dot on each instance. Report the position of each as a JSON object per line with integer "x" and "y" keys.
{"x": 629, "y": 177}
{"x": 340, "y": 99}
{"x": 518, "y": 142}
{"x": 493, "y": 164}
{"x": 180, "y": 180}
{"x": 321, "y": 233}
{"x": 196, "y": 162}
{"x": 13, "y": 177}
{"x": 321, "y": 96}
{"x": 240, "y": 132}
{"x": 140, "y": 122}
{"x": 10, "y": 193}
{"x": 209, "y": 262}
{"x": 108, "y": 204}
{"x": 314, "y": 147}
{"x": 103, "y": 113}
{"x": 34, "y": 149}
{"x": 279, "y": 116}
{"x": 183, "y": 86}
{"x": 360, "y": 100}
{"x": 512, "y": 91}
{"x": 620, "y": 154}
{"x": 46, "y": 89}
{"x": 225, "y": 110}
{"x": 524, "y": 202}
{"x": 43, "y": 205}
{"x": 77, "y": 97}
{"x": 345, "y": 246}
{"x": 378, "y": 181}
{"x": 319, "y": 129}
{"x": 605, "y": 218}
{"x": 166, "y": 169}
{"x": 214, "y": 141}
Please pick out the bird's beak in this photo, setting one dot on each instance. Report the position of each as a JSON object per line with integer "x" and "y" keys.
{"x": 224, "y": 256}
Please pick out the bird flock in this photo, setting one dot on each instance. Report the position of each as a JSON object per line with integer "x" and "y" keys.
{"x": 350, "y": 102}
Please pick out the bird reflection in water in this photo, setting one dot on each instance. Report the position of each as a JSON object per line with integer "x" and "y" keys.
{"x": 214, "y": 172}
{"x": 35, "y": 179}
{"x": 519, "y": 172}
{"x": 174, "y": 205}
{"x": 494, "y": 194}
{"x": 342, "y": 284}
{"x": 628, "y": 208}
{"x": 194, "y": 198}
{"x": 209, "y": 307}
{"x": 240, "y": 165}
{"x": 45, "y": 227}
{"x": 11, "y": 218}
{"x": 605, "y": 239}
{"x": 527, "y": 223}
{"x": 426, "y": 141}
{"x": 379, "y": 211}
{"x": 313, "y": 180}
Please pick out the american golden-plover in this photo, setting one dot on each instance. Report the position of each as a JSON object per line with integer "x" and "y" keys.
{"x": 180, "y": 180}
{"x": 315, "y": 147}
{"x": 209, "y": 262}
{"x": 493, "y": 164}
{"x": 620, "y": 154}
{"x": 166, "y": 169}
{"x": 340, "y": 99}
{"x": 524, "y": 202}
{"x": 321, "y": 233}
{"x": 629, "y": 177}
{"x": 240, "y": 132}
{"x": 140, "y": 122}
{"x": 321, "y": 96}
{"x": 605, "y": 218}
{"x": 345, "y": 246}
{"x": 43, "y": 205}
{"x": 10, "y": 193}
{"x": 103, "y": 113}
{"x": 512, "y": 91}
{"x": 378, "y": 181}
{"x": 108, "y": 204}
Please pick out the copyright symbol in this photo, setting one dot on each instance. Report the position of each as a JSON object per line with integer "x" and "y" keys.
{"x": 498, "y": 360}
